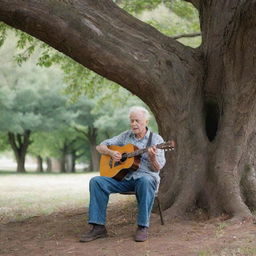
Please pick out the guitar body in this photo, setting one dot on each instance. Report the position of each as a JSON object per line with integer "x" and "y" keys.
{"x": 117, "y": 170}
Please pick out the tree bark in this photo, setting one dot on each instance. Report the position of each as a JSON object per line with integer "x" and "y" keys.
{"x": 75, "y": 154}
{"x": 48, "y": 164}
{"x": 20, "y": 144}
{"x": 39, "y": 164}
{"x": 230, "y": 85}
{"x": 62, "y": 159}
{"x": 62, "y": 164}
{"x": 95, "y": 157}
{"x": 73, "y": 162}
{"x": 204, "y": 98}
{"x": 91, "y": 137}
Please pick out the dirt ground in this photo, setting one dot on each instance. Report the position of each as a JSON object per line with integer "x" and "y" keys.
{"x": 58, "y": 234}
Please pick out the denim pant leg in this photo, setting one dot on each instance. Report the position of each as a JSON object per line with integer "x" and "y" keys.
{"x": 100, "y": 189}
{"x": 145, "y": 188}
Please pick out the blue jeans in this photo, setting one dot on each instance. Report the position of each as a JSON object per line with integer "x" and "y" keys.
{"x": 101, "y": 187}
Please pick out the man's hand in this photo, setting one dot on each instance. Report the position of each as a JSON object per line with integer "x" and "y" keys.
{"x": 116, "y": 156}
{"x": 103, "y": 149}
{"x": 152, "y": 151}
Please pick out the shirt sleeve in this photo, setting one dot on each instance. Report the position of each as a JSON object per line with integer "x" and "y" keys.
{"x": 118, "y": 140}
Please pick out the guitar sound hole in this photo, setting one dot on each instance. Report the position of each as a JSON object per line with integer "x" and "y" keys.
{"x": 124, "y": 157}
{"x": 116, "y": 164}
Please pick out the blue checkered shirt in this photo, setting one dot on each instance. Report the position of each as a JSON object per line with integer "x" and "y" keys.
{"x": 145, "y": 168}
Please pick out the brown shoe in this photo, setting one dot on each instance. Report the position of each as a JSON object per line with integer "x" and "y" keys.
{"x": 97, "y": 231}
{"x": 141, "y": 234}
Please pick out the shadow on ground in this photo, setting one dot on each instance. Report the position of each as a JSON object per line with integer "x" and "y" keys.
{"x": 58, "y": 234}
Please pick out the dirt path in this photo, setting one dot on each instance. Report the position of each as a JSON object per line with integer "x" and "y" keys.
{"x": 58, "y": 235}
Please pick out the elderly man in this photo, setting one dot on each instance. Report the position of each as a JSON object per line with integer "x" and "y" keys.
{"x": 144, "y": 181}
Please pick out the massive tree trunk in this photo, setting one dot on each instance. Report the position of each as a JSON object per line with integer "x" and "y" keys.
{"x": 204, "y": 98}
{"x": 229, "y": 88}
{"x": 19, "y": 144}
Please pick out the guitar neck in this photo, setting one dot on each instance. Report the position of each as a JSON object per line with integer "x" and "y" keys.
{"x": 137, "y": 152}
{"x": 164, "y": 146}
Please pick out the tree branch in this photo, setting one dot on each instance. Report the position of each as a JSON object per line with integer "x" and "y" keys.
{"x": 12, "y": 141}
{"x": 19, "y": 140}
{"x": 81, "y": 131}
{"x": 186, "y": 35}
{"x": 79, "y": 155}
{"x": 103, "y": 37}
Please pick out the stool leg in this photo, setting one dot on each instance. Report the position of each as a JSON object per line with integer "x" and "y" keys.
{"x": 160, "y": 210}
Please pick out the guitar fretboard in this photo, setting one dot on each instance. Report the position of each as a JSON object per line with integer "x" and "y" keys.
{"x": 136, "y": 153}
{"x": 165, "y": 145}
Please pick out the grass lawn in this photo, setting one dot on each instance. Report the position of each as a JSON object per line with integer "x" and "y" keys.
{"x": 32, "y": 194}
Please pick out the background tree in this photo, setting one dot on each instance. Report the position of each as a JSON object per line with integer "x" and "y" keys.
{"x": 84, "y": 126}
{"x": 66, "y": 146}
{"x": 34, "y": 104}
{"x": 4, "y": 145}
{"x": 204, "y": 98}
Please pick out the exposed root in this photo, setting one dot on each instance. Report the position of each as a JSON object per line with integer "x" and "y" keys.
{"x": 242, "y": 219}
{"x": 248, "y": 183}
{"x": 173, "y": 214}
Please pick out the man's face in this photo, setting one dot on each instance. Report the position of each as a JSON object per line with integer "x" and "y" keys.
{"x": 138, "y": 123}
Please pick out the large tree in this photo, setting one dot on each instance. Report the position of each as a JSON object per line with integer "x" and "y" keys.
{"x": 204, "y": 98}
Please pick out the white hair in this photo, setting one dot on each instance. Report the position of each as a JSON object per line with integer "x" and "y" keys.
{"x": 136, "y": 109}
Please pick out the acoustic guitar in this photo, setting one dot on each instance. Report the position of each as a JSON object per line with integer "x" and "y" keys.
{"x": 129, "y": 162}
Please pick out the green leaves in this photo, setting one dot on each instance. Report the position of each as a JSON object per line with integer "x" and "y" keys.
{"x": 27, "y": 43}
{"x": 178, "y": 18}
{"x": 137, "y": 6}
{"x": 171, "y": 17}
{"x": 184, "y": 10}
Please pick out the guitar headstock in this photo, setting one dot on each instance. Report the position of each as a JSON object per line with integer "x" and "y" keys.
{"x": 167, "y": 146}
